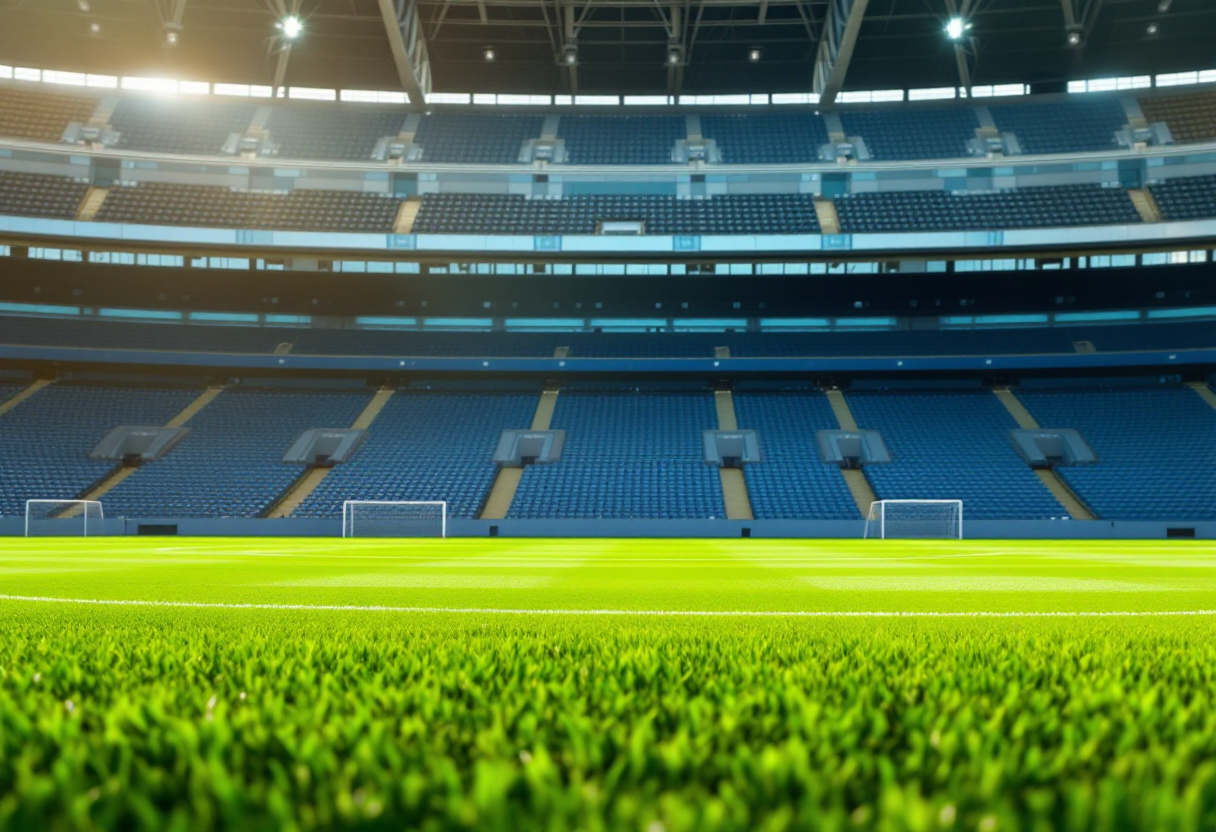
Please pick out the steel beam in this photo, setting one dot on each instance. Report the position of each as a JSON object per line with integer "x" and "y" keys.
{"x": 840, "y": 31}
{"x": 408, "y": 45}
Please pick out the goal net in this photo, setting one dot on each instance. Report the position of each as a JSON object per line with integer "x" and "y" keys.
{"x": 910, "y": 519}
{"x": 63, "y": 518}
{"x": 381, "y": 518}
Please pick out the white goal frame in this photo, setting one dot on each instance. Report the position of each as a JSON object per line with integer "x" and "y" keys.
{"x": 85, "y": 504}
{"x": 348, "y": 521}
{"x": 879, "y": 507}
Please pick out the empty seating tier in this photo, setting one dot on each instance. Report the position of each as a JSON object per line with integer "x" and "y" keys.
{"x": 1191, "y": 116}
{"x": 1193, "y": 198}
{"x": 36, "y": 115}
{"x": 231, "y": 463}
{"x": 28, "y": 195}
{"x": 426, "y": 446}
{"x": 952, "y": 446}
{"x": 153, "y": 203}
{"x": 188, "y": 127}
{"x": 627, "y": 455}
{"x": 348, "y": 134}
{"x": 215, "y": 338}
{"x": 620, "y": 140}
{"x": 494, "y": 214}
{"x": 1156, "y": 449}
{"x": 474, "y": 138}
{"x": 913, "y": 134}
{"x": 766, "y": 138}
{"x": 45, "y": 441}
{"x": 1076, "y": 125}
{"x": 1048, "y": 207}
{"x": 791, "y": 481}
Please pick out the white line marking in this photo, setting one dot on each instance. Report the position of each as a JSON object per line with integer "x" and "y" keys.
{"x": 654, "y": 613}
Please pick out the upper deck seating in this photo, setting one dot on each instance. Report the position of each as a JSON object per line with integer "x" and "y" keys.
{"x": 347, "y": 134}
{"x": 940, "y": 133}
{"x": 620, "y": 140}
{"x": 1191, "y": 116}
{"x": 182, "y": 126}
{"x": 39, "y": 115}
{"x": 476, "y": 138}
{"x": 1079, "y": 124}
{"x": 766, "y": 138}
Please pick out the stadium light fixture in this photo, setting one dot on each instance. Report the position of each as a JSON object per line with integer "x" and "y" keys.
{"x": 1074, "y": 37}
{"x": 95, "y": 28}
{"x": 675, "y": 55}
{"x": 755, "y": 54}
{"x": 956, "y": 27}
{"x": 292, "y": 27}
{"x": 172, "y": 36}
{"x": 570, "y": 55}
{"x": 1152, "y": 29}
{"x": 489, "y": 54}
{"x": 83, "y": 5}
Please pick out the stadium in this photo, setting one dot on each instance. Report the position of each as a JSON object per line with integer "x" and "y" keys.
{"x": 621, "y": 414}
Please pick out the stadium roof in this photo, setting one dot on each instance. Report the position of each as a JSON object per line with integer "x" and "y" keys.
{"x": 620, "y": 46}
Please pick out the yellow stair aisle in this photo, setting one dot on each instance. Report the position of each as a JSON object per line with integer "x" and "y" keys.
{"x": 506, "y": 483}
{"x": 854, "y": 478}
{"x": 734, "y": 484}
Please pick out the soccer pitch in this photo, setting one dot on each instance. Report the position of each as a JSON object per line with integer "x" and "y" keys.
{"x": 606, "y": 684}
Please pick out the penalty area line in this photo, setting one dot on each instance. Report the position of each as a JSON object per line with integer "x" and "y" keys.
{"x": 101, "y": 602}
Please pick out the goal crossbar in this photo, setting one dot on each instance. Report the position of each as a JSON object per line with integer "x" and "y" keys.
{"x": 383, "y": 513}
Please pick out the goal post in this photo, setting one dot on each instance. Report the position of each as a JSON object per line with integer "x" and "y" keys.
{"x": 915, "y": 519}
{"x": 63, "y": 518}
{"x": 394, "y": 518}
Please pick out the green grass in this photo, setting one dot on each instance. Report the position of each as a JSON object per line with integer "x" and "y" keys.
{"x": 523, "y": 711}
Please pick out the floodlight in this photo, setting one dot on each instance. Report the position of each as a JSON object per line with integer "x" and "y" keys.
{"x": 1153, "y": 28}
{"x": 570, "y": 54}
{"x": 83, "y": 5}
{"x": 755, "y": 54}
{"x": 95, "y": 28}
{"x": 1164, "y": 6}
{"x": 172, "y": 37}
{"x": 956, "y": 27}
{"x": 489, "y": 54}
{"x": 674, "y": 56}
{"x": 292, "y": 27}
{"x": 1074, "y": 37}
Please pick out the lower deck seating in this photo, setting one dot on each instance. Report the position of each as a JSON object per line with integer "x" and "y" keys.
{"x": 153, "y": 203}
{"x": 426, "y": 446}
{"x": 627, "y": 455}
{"x": 45, "y": 441}
{"x": 1055, "y": 206}
{"x": 581, "y": 215}
{"x": 1193, "y": 198}
{"x": 29, "y": 195}
{"x": 791, "y": 482}
{"x": 230, "y": 464}
{"x": 952, "y": 446}
{"x": 37, "y": 115}
{"x": 1156, "y": 449}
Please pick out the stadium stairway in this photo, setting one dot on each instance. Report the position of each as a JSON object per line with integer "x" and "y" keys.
{"x": 829, "y": 219}
{"x": 734, "y": 485}
{"x": 855, "y": 478}
{"x": 406, "y": 214}
{"x": 313, "y": 476}
{"x": 1146, "y": 205}
{"x": 94, "y": 198}
{"x": 1204, "y": 392}
{"x": 111, "y": 480}
{"x": 506, "y": 482}
{"x": 24, "y": 394}
{"x": 1059, "y": 489}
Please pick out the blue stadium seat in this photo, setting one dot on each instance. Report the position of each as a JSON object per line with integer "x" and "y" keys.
{"x": 940, "y": 133}
{"x": 620, "y": 140}
{"x": 766, "y": 138}
{"x": 179, "y": 126}
{"x": 475, "y": 138}
{"x": 1156, "y": 449}
{"x": 1087, "y": 123}
{"x": 346, "y": 133}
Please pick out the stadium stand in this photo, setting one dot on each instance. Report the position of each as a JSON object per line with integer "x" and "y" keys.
{"x": 187, "y": 127}
{"x": 620, "y": 140}
{"x": 230, "y": 464}
{"x": 426, "y": 446}
{"x": 1047, "y": 207}
{"x": 1192, "y": 198}
{"x": 1191, "y": 116}
{"x": 1156, "y": 449}
{"x": 501, "y": 214}
{"x": 28, "y": 195}
{"x": 627, "y": 454}
{"x": 160, "y": 336}
{"x": 913, "y": 134}
{"x": 766, "y": 138}
{"x": 45, "y": 441}
{"x": 791, "y": 482}
{"x": 952, "y": 445}
{"x": 7, "y": 391}
{"x": 347, "y": 134}
{"x": 153, "y": 203}
{"x": 1075, "y": 125}
{"x": 36, "y": 115}
{"x": 474, "y": 138}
